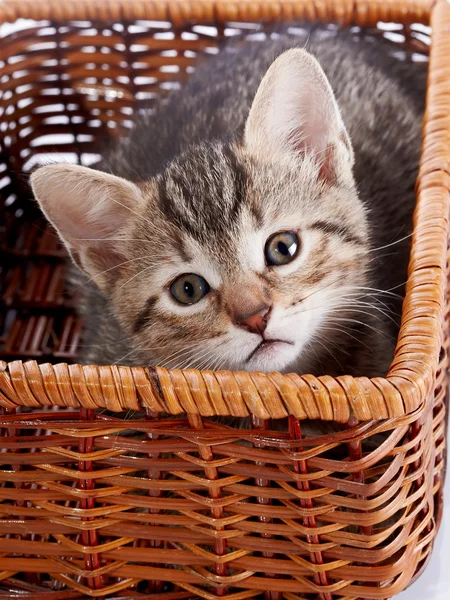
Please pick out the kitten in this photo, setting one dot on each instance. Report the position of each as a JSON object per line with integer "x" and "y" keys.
{"x": 259, "y": 219}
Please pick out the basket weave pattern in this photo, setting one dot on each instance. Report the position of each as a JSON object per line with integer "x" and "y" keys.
{"x": 185, "y": 507}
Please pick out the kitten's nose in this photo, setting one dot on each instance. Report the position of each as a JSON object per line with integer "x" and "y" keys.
{"x": 256, "y": 322}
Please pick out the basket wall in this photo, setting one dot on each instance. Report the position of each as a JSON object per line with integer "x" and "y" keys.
{"x": 184, "y": 507}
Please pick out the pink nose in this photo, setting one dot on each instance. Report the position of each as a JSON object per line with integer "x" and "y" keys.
{"x": 255, "y": 323}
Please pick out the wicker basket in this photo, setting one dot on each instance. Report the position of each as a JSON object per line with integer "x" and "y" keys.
{"x": 185, "y": 507}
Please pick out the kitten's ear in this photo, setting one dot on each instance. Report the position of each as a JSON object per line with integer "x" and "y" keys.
{"x": 295, "y": 112}
{"x": 90, "y": 210}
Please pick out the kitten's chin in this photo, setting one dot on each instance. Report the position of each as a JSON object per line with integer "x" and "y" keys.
{"x": 275, "y": 356}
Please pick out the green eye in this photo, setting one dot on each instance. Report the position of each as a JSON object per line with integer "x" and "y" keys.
{"x": 281, "y": 248}
{"x": 189, "y": 288}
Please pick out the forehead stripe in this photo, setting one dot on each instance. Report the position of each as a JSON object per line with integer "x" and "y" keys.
{"x": 343, "y": 232}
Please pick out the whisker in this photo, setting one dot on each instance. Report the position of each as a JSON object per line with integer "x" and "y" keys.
{"x": 386, "y": 245}
{"x": 311, "y": 347}
{"x": 328, "y": 350}
{"x": 110, "y": 239}
{"x": 345, "y": 331}
{"x": 132, "y": 211}
{"x": 388, "y": 291}
{"x": 125, "y": 262}
{"x": 318, "y": 291}
{"x": 356, "y": 307}
{"x": 134, "y": 277}
{"x": 345, "y": 307}
{"x": 342, "y": 319}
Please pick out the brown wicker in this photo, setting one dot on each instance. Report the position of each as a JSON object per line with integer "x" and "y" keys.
{"x": 185, "y": 507}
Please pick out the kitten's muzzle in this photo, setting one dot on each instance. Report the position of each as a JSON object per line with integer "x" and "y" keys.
{"x": 255, "y": 322}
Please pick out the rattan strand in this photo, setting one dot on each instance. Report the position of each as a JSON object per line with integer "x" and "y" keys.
{"x": 182, "y": 12}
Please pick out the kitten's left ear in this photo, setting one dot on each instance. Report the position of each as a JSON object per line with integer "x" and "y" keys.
{"x": 295, "y": 113}
{"x": 91, "y": 211}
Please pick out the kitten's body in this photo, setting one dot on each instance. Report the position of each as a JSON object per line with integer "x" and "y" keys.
{"x": 195, "y": 132}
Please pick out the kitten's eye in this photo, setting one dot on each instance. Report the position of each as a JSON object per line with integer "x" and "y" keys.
{"x": 189, "y": 288}
{"x": 281, "y": 248}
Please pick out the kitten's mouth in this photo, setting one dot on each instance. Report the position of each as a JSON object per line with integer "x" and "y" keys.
{"x": 265, "y": 346}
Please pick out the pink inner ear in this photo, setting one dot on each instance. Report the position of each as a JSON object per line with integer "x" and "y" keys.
{"x": 329, "y": 161}
{"x": 104, "y": 261}
{"x": 78, "y": 222}
{"x": 327, "y": 170}
{"x": 325, "y": 157}
{"x": 87, "y": 229}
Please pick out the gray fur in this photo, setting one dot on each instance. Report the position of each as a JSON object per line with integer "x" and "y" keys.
{"x": 202, "y": 188}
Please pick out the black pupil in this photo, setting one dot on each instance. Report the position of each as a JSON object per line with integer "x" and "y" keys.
{"x": 188, "y": 289}
{"x": 283, "y": 249}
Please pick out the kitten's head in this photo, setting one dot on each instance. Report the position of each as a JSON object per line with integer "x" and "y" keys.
{"x": 239, "y": 255}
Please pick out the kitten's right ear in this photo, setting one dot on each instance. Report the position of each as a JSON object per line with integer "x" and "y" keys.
{"x": 295, "y": 113}
{"x": 90, "y": 210}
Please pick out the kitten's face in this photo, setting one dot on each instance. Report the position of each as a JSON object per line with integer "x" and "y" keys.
{"x": 237, "y": 256}
{"x": 243, "y": 266}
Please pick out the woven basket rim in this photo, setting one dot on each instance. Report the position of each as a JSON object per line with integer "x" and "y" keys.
{"x": 272, "y": 395}
{"x": 179, "y": 12}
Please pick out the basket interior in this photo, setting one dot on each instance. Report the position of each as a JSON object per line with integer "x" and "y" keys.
{"x": 65, "y": 90}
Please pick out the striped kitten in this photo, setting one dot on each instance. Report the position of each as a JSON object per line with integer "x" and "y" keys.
{"x": 257, "y": 221}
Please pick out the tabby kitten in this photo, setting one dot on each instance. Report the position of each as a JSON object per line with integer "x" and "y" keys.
{"x": 259, "y": 219}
